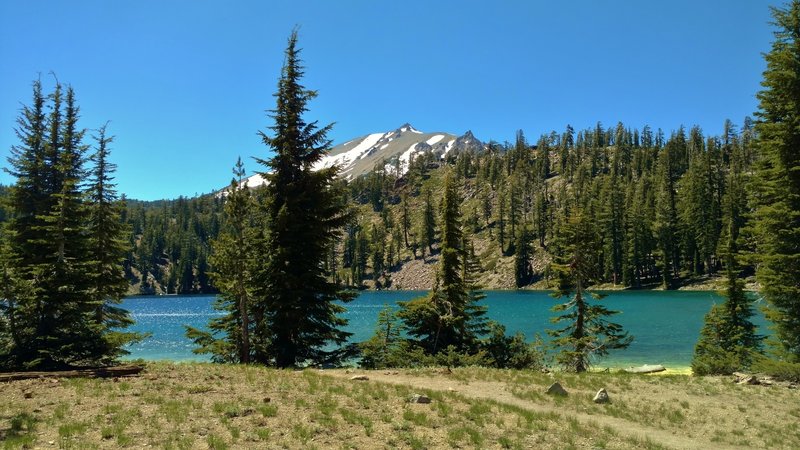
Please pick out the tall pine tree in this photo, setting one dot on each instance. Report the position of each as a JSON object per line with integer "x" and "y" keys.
{"x": 232, "y": 252}
{"x": 586, "y": 333}
{"x": 305, "y": 214}
{"x": 448, "y": 315}
{"x": 728, "y": 339}
{"x": 776, "y": 184}
{"x": 108, "y": 246}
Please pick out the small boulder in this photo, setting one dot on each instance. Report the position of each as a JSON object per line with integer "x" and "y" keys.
{"x": 556, "y": 389}
{"x": 750, "y": 379}
{"x": 419, "y": 398}
{"x": 601, "y": 396}
{"x": 359, "y": 378}
{"x": 27, "y": 394}
{"x": 744, "y": 378}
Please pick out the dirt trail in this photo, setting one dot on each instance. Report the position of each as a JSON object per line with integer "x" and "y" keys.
{"x": 496, "y": 391}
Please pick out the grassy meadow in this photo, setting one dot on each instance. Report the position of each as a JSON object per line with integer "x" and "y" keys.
{"x": 200, "y": 405}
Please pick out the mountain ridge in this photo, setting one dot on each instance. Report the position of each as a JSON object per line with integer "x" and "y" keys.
{"x": 394, "y": 149}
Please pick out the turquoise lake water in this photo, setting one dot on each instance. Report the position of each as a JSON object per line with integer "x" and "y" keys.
{"x": 665, "y": 325}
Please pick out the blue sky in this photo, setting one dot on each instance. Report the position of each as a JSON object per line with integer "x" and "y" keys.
{"x": 185, "y": 83}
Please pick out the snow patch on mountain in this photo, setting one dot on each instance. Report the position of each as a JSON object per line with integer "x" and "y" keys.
{"x": 344, "y": 159}
{"x": 435, "y": 139}
{"x": 405, "y": 158}
{"x": 449, "y": 146}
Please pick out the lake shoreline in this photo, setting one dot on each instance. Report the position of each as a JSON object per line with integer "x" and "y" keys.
{"x": 665, "y": 324}
{"x": 599, "y": 368}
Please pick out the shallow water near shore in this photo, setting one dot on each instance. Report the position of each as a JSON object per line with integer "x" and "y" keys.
{"x": 665, "y": 324}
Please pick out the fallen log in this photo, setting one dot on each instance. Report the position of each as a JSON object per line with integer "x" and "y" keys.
{"x": 647, "y": 368}
{"x": 95, "y": 372}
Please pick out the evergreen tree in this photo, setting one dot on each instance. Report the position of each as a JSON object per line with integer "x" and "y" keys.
{"x": 62, "y": 253}
{"x": 378, "y": 252}
{"x": 587, "y": 333}
{"x": 428, "y": 225}
{"x": 405, "y": 218}
{"x": 776, "y": 184}
{"x": 666, "y": 225}
{"x": 728, "y": 339}
{"x": 358, "y": 269}
{"x": 108, "y": 245}
{"x": 448, "y": 315}
{"x": 501, "y": 219}
{"x": 232, "y": 276}
{"x": 383, "y": 349}
{"x": 304, "y": 215}
{"x": 612, "y": 222}
{"x": 523, "y": 271}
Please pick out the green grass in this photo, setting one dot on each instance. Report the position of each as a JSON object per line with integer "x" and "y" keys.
{"x": 208, "y": 406}
{"x": 419, "y": 419}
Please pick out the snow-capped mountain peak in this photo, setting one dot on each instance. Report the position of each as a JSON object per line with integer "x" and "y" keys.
{"x": 393, "y": 150}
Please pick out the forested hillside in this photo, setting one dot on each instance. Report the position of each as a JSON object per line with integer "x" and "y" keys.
{"x": 170, "y": 244}
{"x": 657, "y": 204}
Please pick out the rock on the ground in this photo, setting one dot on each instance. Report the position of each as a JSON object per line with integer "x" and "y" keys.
{"x": 419, "y": 398}
{"x": 556, "y": 389}
{"x": 743, "y": 378}
{"x": 647, "y": 368}
{"x": 359, "y": 378}
{"x": 601, "y": 396}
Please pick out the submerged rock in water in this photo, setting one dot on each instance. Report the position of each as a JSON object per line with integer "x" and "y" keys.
{"x": 647, "y": 368}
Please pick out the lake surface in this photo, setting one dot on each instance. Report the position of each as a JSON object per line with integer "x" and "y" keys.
{"x": 665, "y": 325}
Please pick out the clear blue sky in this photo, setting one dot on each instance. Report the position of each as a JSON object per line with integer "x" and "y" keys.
{"x": 185, "y": 83}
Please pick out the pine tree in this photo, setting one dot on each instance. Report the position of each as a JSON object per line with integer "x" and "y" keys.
{"x": 448, "y": 315}
{"x": 304, "y": 216}
{"x": 776, "y": 185}
{"x": 501, "y": 219}
{"x": 523, "y": 271}
{"x": 63, "y": 285}
{"x": 428, "y": 225}
{"x": 232, "y": 275}
{"x": 405, "y": 218}
{"x": 587, "y": 333}
{"x": 728, "y": 339}
{"x": 108, "y": 245}
{"x": 383, "y": 348}
{"x": 378, "y": 252}
{"x": 666, "y": 225}
{"x": 612, "y": 220}
{"x": 29, "y": 201}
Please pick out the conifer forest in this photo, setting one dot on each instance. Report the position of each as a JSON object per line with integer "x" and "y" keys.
{"x": 585, "y": 208}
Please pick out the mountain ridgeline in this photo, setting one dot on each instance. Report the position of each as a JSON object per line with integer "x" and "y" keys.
{"x": 657, "y": 205}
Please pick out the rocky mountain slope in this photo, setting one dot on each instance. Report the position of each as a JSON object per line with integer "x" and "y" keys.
{"x": 394, "y": 149}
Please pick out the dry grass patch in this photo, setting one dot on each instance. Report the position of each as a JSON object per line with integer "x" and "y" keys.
{"x": 189, "y": 406}
{"x": 710, "y": 408}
